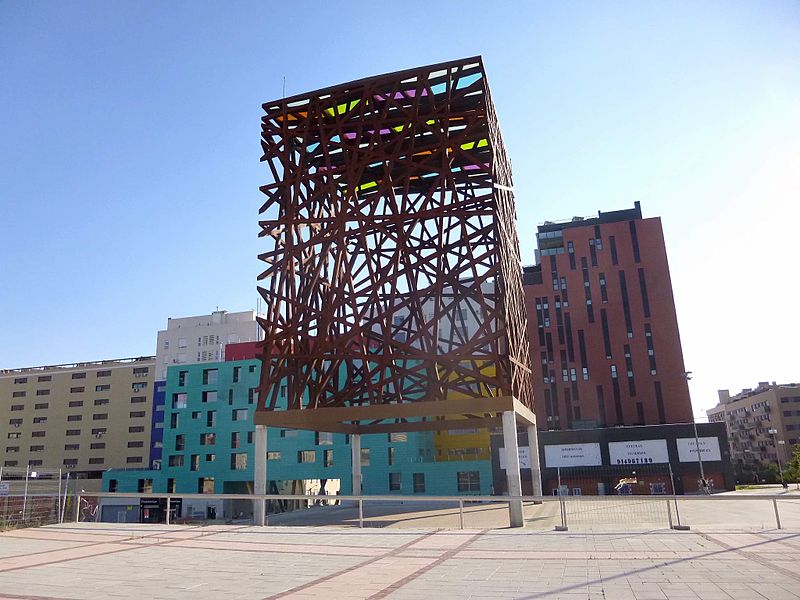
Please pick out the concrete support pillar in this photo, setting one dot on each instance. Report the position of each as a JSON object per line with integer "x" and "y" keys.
{"x": 512, "y": 467}
{"x": 260, "y": 474}
{"x": 536, "y": 469}
{"x": 355, "y": 449}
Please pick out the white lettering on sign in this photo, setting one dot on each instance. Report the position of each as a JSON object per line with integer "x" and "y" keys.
{"x": 709, "y": 449}
{"x": 641, "y": 452}
{"x": 572, "y": 455}
{"x": 4, "y": 487}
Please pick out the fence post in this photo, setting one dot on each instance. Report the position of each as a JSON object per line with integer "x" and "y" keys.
{"x": 563, "y": 508}
{"x": 777, "y": 516}
{"x": 58, "y": 504}
{"x": 25, "y": 496}
{"x": 78, "y": 508}
{"x": 360, "y": 512}
{"x": 167, "y": 510}
{"x": 669, "y": 514}
{"x": 461, "y": 512}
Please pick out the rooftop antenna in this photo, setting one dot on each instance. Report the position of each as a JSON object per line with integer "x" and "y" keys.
{"x": 284, "y": 86}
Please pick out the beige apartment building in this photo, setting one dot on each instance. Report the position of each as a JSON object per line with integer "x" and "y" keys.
{"x": 83, "y": 417}
{"x": 763, "y": 423}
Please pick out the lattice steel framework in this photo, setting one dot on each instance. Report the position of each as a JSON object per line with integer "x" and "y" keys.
{"x": 392, "y": 274}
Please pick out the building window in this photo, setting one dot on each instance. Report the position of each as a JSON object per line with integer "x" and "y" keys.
{"x": 100, "y": 417}
{"x": 133, "y": 460}
{"x": 76, "y": 390}
{"x": 135, "y": 444}
{"x": 327, "y": 458}
{"x": 419, "y": 483}
{"x": 174, "y": 420}
{"x": 180, "y": 442}
{"x": 15, "y": 422}
{"x": 42, "y": 392}
{"x": 194, "y": 464}
{"x": 19, "y": 394}
{"x": 75, "y": 403}
{"x": 144, "y": 486}
{"x": 11, "y": 463}
{"x": 14, "y": 435}
{"x": 210, "y": 376}
{"x": 179, "y": 400}
{"x": 12, "y": 449}
{"x": 38, "y": 434}
{"x": 205, "y": 485}
{"x": 44, "y": 378}
{"x": 239, "y": 414}
{"x": 37, "y": 448}
{"x": 138, "y": 399}
{"x": 138, "y": 386}
{"x": 97, "y": 446}
{"x": 99, "y": 431}
{"x": 208, "y": 439}
{"x": 394, "y": 482}
{"x": 239, "y": 461}
{"x": 176, "y": 460}
{"x": 79, "y": 375}
{"x": 469, "y": 481}
{"x": 324, "y": 438}
{"x": 37, "y": 420}
{"x": 391, "y": 455}
{"x": 211, "y": 457}
{"x": 395, "y": 438}
{"x": 275, "y": 455}
{"x": 104, "y": 373}
{"x": 365, "y": 457}
{"x": 36, "y": 463}
{"x": 252, "y": 395}
{"x": 211, "y": 418}
{"x": 236, "y": 439}
{"x": 140, "y": 371}
{"x": 102, "y": 388}
{"x": 74, "y": 418}
{"x": 236, "y": 374}
{"x": 210, "y": 396}
{"x": 20, "y": 380}
{"x": 306, "y": 456}
{"x": 101, "y": 402}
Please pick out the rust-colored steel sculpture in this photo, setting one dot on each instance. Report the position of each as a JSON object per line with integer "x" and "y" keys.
{"x": 392, "y": 281}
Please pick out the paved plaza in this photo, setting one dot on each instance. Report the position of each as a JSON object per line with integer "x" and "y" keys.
{"x": 101, "y": 560}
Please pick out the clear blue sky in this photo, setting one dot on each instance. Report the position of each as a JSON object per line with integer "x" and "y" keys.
{"x": 129, "y": 146}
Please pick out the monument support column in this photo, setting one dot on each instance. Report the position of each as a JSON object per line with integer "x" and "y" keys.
{"x": 536, "y": 469}
{"x": 512, "y": 468}
{"x": 355, "y": 450}
{"x": 260, "y": 474}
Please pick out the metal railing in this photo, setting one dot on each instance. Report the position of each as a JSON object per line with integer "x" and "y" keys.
{"x": 625, "y": 513}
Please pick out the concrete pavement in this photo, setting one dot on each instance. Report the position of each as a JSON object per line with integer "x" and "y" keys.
{"x": 83, "y": 561}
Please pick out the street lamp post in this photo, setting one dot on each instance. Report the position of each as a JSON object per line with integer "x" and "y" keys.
{"x": 688, "y": 375}
{"x": 773, "y": 432}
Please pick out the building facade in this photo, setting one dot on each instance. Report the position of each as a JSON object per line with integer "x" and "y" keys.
{"x": 208, "y": 448}
{"x": 605, "y": 347}
{"x": 763, "y": 423}
{"x": 650, "y": 460}
{"x": 202, "y": 338}
{"x": 82, "y": 417}
{"x": 191, "y": 340}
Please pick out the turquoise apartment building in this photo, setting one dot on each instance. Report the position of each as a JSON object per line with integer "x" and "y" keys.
{"x": 208, "y": 448}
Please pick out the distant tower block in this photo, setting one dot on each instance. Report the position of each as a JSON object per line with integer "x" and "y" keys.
{"x": 392, "y": 283}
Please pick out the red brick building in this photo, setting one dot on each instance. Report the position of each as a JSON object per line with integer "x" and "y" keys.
{"x": 604, "y": 334}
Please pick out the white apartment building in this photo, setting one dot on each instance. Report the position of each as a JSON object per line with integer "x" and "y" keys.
{"x": 188, "y": 340}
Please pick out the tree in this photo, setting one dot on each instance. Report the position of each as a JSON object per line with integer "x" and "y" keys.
{"x": 792, "y": 470}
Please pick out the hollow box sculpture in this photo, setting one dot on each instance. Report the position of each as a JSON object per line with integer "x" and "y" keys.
{"x": 392, "y": 281}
